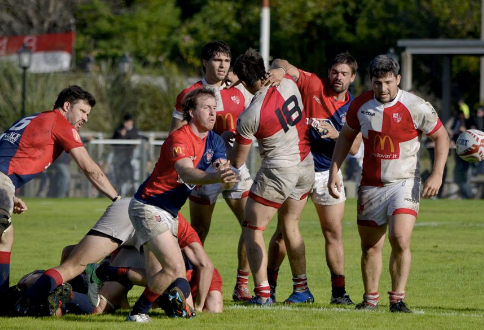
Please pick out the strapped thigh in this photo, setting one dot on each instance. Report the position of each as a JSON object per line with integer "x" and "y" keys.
{"x": 248, "y": 225}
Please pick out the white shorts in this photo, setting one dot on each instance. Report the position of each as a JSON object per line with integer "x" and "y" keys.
{"x": 208, "y": 194}
{"x": 129, "y": 257}
{"x": 320, "y": 193}
{"x": 377, "y": 204}
{"x": 272, "y": 186}
{"x": 7, "y": 192}
{"x": 149, "y": 221}
{"x": 115, "y": 223}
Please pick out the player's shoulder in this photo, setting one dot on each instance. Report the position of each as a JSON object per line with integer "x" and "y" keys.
{"x": 187, "y": 90}
{"x": 414, "y": 102}
{"x": 362, "y": 99}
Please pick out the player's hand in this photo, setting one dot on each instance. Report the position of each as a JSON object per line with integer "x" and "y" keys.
{"x": 334, "y": 186}
{"x": 231, "y": 80}
{"x": 273, "y": 77}
{"x": 330, "y": 131}
{"x": 229, "y": 137}
{"x": 431, "y": 186}
{"x": 227, "y": 175}
{"x": 19, "y": 206}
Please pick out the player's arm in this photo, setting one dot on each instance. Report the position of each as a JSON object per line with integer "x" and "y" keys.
{"x": 93, "y": 172}
{"x": 192, "y": 175}
{"x": 239, "y": 154}
{"x": 343, "y": 146}
{"x": 432, "y": 184}
{"x": 204, "y": 266}
{"x": 279, "y": 69}
{"x": 356, "y": 145}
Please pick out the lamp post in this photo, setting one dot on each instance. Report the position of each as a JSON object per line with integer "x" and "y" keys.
{"x": 125, "y": 64}
{"x": 24, "y": 61}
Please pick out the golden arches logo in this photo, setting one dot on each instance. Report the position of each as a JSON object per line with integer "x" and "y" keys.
{"x": 382, "y": 142}
{"x": 225, "y": 119}
{"x": 177, "y": 151}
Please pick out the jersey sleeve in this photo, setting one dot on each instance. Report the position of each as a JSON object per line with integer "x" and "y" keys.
{"x": 430, "y": 121}
{"x": 247, "y": 95}
{"x": 66, "y": 135}
{"x": 305, "y": 81}
{"x": 246, "y": 127}
{"x": 179, "y": 147}
{"x": 178, "y": 112}
{"x": 352, "y": 116}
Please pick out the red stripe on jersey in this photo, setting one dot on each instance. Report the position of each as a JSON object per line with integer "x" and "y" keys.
{"x": 439, "y": 124}
{"x": 241, "y": 140}
{"x": 269, "y": 123}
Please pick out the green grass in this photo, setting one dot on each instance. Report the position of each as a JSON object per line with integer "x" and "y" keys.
{"x": 445, "y": 288}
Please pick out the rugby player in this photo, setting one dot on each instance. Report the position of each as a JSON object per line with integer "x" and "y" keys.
{"x": 391, "y": 121}
{"x": 231, "y": 102}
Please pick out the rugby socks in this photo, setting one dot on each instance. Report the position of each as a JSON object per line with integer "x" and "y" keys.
{"x": 396, "y": 296}
{"x": 4, "y": 272}
{"x": 338, "y": 285}
{"x": 181, "y": 284}
{"x": 78, "y": 303}
{"x": 116, "y": 274}
{"x": 300, "y": 283}
{"x": 371, "y": 299}
{"x": 242, "y": 278}
{"x": 50, "y": 280}
{"x": 144, "y": 303}
{"x": 263, "y": 290}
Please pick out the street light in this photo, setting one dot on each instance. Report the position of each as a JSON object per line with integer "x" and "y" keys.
{"x": 24, "y": 61}
{"x": 125, "y": 64}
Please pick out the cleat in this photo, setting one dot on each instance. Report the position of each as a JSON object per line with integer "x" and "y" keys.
{"x": 48, "y": 307}
{"x": 344, "y": 300}
{"x": 138, "y": 318}
{"x": 365, "y": 305}
{"x": 241, "y": 293}
{"x": 256, "y": 301}
{"x": 399, "y": 307}
{"x": 180, "y": 307}
{"x": 94, "y": 284}
{"x": 273, "y": 293}
{"x": 58, "y": 297}
{"x": 300, "y": 297}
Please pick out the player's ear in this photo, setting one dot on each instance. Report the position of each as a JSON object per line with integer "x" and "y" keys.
{"x": 66, "y": 105}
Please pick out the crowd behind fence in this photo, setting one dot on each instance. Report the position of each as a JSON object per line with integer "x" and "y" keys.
{"x": 127, "y": 163}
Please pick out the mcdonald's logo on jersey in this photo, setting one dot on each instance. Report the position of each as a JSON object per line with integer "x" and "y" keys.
{"x": 382, "y": 141}
{"x": 177, "y": 151}
{"x": 226, "y": 122}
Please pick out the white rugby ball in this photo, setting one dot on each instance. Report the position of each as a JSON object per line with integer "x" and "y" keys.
{"x": 470, "y": 146}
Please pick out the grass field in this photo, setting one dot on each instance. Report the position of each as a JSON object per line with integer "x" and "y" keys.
{"x": 445, "y": 288}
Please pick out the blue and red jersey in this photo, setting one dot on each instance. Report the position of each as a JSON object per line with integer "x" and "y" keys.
{"x": 33, "y": 143}
{"x": 164, "y": 188}
{"x": 320, "y": 103}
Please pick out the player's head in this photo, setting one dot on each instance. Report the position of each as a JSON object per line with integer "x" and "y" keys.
{"x": 215, "y": 60}
{"x": 385, "y": 78}
{"x": 200, "y": 105}
{"x": 75, "y": 104}
{"x": 342, "y": 72}
{"x": 250, "y": 69}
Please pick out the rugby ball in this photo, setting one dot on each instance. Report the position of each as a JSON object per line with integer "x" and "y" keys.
{"x": 470, "y": 146}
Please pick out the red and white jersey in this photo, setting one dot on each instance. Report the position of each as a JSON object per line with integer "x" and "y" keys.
{"x": 391, "y": 135}
{"x": 276, "y": 118}
{"x": 230, "y": 103}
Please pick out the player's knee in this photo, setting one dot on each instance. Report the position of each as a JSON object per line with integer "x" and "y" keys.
{"x": 399, "y": 242}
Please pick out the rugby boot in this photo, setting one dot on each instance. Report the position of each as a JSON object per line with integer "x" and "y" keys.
{"x": 365, "y": 305}
{"x": 94, "y": 284}
{"x": 300, "y": 298}
{"x": 241, "y": 293}
{"x": 343, "y": 300}
{"x": 256, "y": 301}
{"x": 399, "y": 307}
{"x": 138, "y": 318}
{"x": 181, "y": 309}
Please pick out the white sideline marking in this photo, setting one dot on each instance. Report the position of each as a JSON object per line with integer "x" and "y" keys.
{"x": 325, "y": 309}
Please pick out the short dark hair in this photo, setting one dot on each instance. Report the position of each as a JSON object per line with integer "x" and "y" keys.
{"x": 382, "y": 65}
{"x": 190, "y": 101}
{"x": 249, "y": 67}
{"x": 214, "y": 47}
{"x": 74, "y": 94}
{"x": 345, "y": 58}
